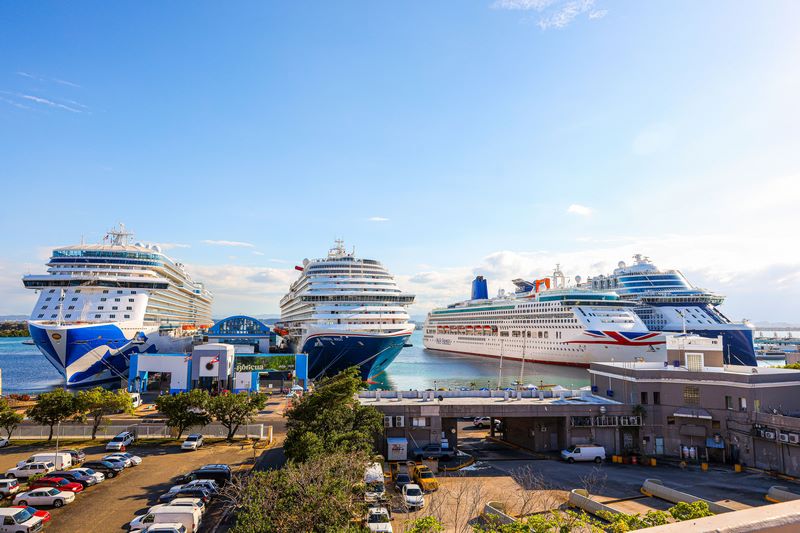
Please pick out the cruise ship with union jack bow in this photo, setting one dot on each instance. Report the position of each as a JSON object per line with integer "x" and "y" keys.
{"x": 100, "y": 303}
{"x": 544, "y": 321}
{"x": 345, "y": 311}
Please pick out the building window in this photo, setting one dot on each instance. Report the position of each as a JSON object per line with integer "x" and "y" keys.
{"x": 715, "y": 424}
{"x": 100, "y": 307}
{"x": 691, "y": 395}
{"x": 757, "y": 406}
{"x": 419, "y": 422}
{"x": 671, "y": 420}
{"x": 729, "y": 403}
{"x": 656, "y": 398}
{"x": 743, "y": 404}
{"x": 644, "y": 397}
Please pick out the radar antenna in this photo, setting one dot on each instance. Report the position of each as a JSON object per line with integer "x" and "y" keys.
{"x": 119, "y": 237}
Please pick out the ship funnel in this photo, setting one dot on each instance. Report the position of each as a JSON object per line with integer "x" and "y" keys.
{"x": 480, "y": 291}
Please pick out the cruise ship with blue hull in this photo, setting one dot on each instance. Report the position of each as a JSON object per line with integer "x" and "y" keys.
{"x": 100, "y": 303}
{"x": 666, "y": 301}
{"x": 344, "y": 311}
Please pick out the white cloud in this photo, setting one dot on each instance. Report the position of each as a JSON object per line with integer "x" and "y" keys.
{"x": 50, "y": 103}
{"x": 238, "y": 244}
{"x": 257, "y": 252}
{"x": 553, "y": 13}
{"x": 578, "y": 209}
{"x": 378, "y": 219}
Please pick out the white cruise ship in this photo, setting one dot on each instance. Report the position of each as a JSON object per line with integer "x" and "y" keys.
{"x": 99, "y": 303}
{"x": 544, "y": 322}
{"x": 344, "y": 311}
{"x": 668, "y": 302}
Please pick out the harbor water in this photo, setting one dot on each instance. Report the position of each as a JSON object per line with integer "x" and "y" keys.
{"x": 25, "y": 370}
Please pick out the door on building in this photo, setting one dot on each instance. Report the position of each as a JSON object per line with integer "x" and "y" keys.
{"x": 659, "y": 445}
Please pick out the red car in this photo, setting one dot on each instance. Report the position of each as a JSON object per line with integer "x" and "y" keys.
{"x": 57, "y": 482}
{"x": 44, "y": 515}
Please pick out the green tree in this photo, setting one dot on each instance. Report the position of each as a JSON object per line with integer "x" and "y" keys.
{"x": 332, "y": 419}
{"x": 425, "y": 524}
{"x": 233, "y": 410}
{"x": 689, "y": 511}
{"x": 9, "y": 418}
{"x": 185, "y": 409}
{"x": 97, "y": 403}
{"x": 52, "y": 408}
{"x": 318, "y": 495}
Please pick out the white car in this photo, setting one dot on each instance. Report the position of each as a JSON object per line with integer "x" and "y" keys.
{"x": 120, "y": 442}
{"x": 209, "y": 484}
{"x": 99, "y": 476}
{"x": 128, "y": 458}
{"x": 44, "y": 496}
{"x": 195, "y": 503}
{"x": 192, "y": 442}
{"x": 378, "y": 519}
{"x": 413, "y": 496}
{"x": 3, "y": 442}
{"x": 30, "y": 469}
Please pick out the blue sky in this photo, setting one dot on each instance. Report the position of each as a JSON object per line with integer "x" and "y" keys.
{"x": 443, "y": 138}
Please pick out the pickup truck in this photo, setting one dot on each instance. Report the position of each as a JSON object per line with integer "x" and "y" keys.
{"x": 432, "y": 451}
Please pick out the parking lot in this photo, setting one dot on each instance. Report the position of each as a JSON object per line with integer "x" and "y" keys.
{"x": 525, "y": 482}
{"x": 110, "y": 505}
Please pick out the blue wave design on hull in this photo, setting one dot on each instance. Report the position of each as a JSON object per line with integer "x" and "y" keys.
{"x": 330, "y": 354}
{"x": 80, "y": 341}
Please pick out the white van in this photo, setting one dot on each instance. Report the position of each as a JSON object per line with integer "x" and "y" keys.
{"x": 373, "y": 479}
{"x": 136, "y": 399}
{"x": 16, "y": 520}
{"x": 190, "y": 517}
{"x": 61, "y": 460}
{"x": 584, "y": 452}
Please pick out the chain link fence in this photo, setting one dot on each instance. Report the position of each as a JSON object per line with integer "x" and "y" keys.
{"x": 142, "y": 431}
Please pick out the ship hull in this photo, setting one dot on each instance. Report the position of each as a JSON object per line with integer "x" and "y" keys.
{"x": 96, "y": 354}
{"x": 590, "y": 347}
{"x": 330, "y": 352}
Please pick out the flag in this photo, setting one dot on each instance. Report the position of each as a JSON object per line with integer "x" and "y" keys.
{"x": 215, "y": 360}
{"x": 298, "y": 268}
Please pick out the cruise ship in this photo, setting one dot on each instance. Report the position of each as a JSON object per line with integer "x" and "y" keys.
{"x": 344, "y": 311}
{"x": 666, "y": 301}
{"x": 99, "y": 303}
{"x": 544, "y": 321}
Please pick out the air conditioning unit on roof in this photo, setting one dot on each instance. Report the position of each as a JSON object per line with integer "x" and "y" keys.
{"x": 783, "y": 437}
{"x": 794, "y": 438}
{"x": 769, "y": 435}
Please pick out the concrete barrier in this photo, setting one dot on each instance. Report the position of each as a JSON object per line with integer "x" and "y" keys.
{"x": 581, "y": 499}
{"x": 655, "y": 488}
{"x": 777, "y": 494}
{"x": 498, "y": 511}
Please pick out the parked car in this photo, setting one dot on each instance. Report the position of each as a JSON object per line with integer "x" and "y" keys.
{"x": 57, "y": 482}
{"x": 122, "y": 462}
{"x": 191, "y": 492}
{"x": 219, "y": 473}
{"x": 378, "y": 519}
{"x": 192, "y": 442}
{"x": 77, "y": 456}
{"x": 423, "y": 477}
{"x": 59, "y": 460}
{"x": 401, "y": 480}
{"x": 136, "y": 399}
{"x": 16, "y": 520}
{"x": 197, "y": 503}
{"x": 29, "y": 469}
{"x": 9, "y": 487}
{"x": 97, "y": 476}
{"x": 486, "y": 421}
{"x": 120, "y": 442}
{"x": 107, "y": 468}
{"x": 44, "y": 515}
{"x": 209, "y": 484}
{"x": 413, "y": 497}
{"x": 166, "y": 528}
{"x": 186, "y": 516}
{"x": 584, "y": 452}
{"x": 432, "y": 451}
{"x": 3, "y": 442}
{"x": 45, "y": 496}
{"x": 127, "y": 458}
{"x": 75, "y": 476}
